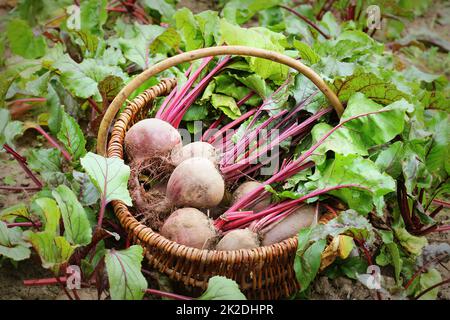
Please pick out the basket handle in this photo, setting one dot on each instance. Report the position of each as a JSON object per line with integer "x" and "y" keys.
{"x": 121, "y": 97}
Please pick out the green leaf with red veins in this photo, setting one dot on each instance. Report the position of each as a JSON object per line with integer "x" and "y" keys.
{"x": 50, "y": 213}
{"x": 77, "y": 229}
{"x": 353, "y": 169}
{"x": 376, "y": 88}
{"x": 376, "y": 128}
{"x": 82, "y": 78}
{"x": 227, "y": 104}
{"x": 307, "y": 263}
{"x": 109, "y": 175}
{"x": 72, "y": 137}
{"x": 126, "y": 281}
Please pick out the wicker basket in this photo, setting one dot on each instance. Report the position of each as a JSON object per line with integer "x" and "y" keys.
{"x": 262, "y": 273}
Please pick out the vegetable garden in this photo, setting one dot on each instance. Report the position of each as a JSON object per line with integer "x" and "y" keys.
{"x": 164, "y": 149}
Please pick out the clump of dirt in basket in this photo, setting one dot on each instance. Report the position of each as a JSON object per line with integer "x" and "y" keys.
{"x": 147, "y": 183}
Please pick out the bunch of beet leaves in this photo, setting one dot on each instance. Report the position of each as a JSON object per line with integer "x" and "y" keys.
{"x": 363, "y": 189}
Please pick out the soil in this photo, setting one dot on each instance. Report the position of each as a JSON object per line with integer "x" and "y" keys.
{"x": 11, "y": 282}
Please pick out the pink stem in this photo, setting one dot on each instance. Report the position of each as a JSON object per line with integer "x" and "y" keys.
{"x": 24, "y": 224}
{"x": 167, "y": 294}
{"x": 213, "y": 126}
{"x": 222, "y": 224}
{"x": 18, "y": 101}
{"x": 44, "y": 282}
{"x": 284, "y": 136}
{"x": 441, "y": 202}
{"x": 170, "y": 96}
{"x": 187, "y": 101}
{"x": 312, "y": 24}
{"x": 245, "y": 99}
{"x": 94, "y": 105}
{"x": 171, "y": 109}
{"x": 233, "y": 123}
{"x": 22, "y": 162}
{"x": 294, "y": 166}
{"x": 53, "y": 142}
{"x": 216, "y": 123}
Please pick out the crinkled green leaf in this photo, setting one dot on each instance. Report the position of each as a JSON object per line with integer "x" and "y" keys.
{"x": 23, "y": 41}
{"x": 353, "y": 169}
{"x": 77, "y": 229}
{"x": 348, "y": 222}
{"x": 93, "y": 16}
{"x": 438, "y": 160}
{"x": 226, "y": 104}
{"x": 382, "y": 91}
{"x": 110, "y": 87}
{"x": 168, "y": 40}
{"x": 44, "y": 160}
{"x": 126, "y": 281}
{"x": 258, "y": 38}
{"x": 226, "y": 84}
{"x": 208, "y": 22}
{"x": 254, "y": 82}
{"x": 72, "y": 137}
{"x": 109, "y": 175}
{"x": 55, "y": 109}
{"x": 82, "y": 79}
{"x": 136, "y": 41}
{"x": 9, "y": 130}
{"x": 376, "y": 128}
{"x": 162, "y": 6}
{"x": 189, "y": 30}
{"x": 303, "y": 89}
{"x": 196, "y": 112}
{"x": 307, "y": 54}
{"x": 332, "y": 67}
{"x": 343, "y": 141}
{"x": 222, "y": 288}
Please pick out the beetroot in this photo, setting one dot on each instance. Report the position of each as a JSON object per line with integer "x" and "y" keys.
{"x": 238, "y": 239}
{"x": 246, "y": 188}
{"x": 196, "y": 149}
{"x": 190, "y": 227}
{"x": 151, "y": 137}
{"x": 196, "y": 183}
{"x": 289, "y": 226}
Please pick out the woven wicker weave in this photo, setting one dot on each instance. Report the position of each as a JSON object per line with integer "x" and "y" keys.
{"x": 262, "y": 273}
